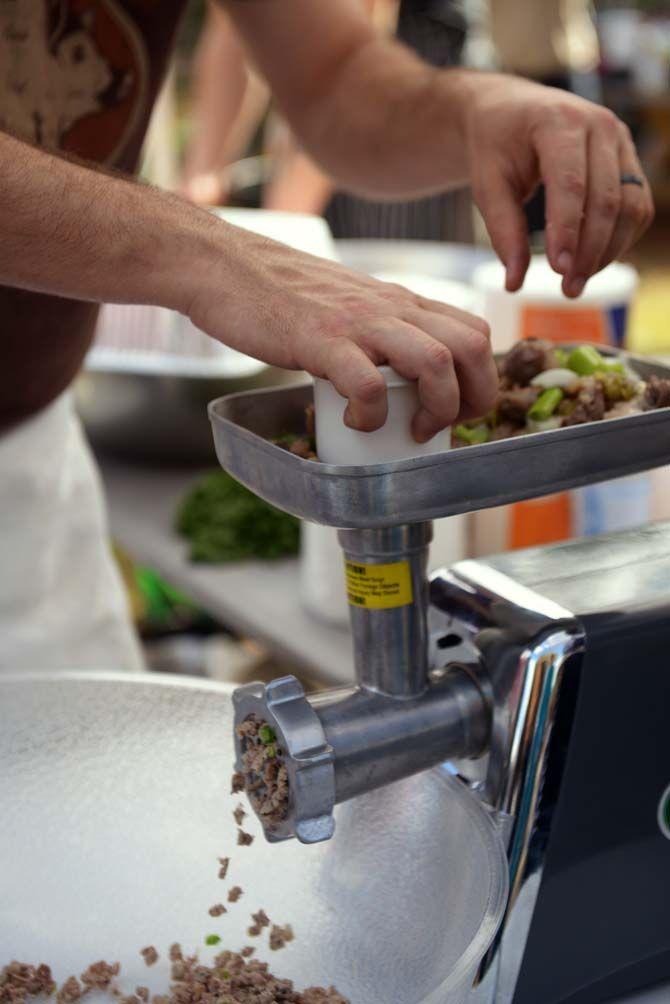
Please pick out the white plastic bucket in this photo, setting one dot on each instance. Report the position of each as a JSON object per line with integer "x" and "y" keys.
{"x": 540, "y": 310}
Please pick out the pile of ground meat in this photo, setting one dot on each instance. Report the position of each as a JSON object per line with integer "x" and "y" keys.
{"x": 233, "y": 977}
{"x": 230, "y": 979}
{"x": 264, "y": 776}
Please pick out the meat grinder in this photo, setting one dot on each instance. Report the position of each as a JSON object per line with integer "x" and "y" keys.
{"x": 538, "y": 676}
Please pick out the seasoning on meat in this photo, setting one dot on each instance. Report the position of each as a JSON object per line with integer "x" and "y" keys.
{"x": 99, "y": 975}
{"x": 217, "y": 910}
{"x": 223, "y": 870}
{"x": 70, "y": 991}
{"x": 280, "y": 936}
{"x": 239, "y": 814}
{"x": 244, "y": 839}
{"x": 150, "y": 955}
{"x": 657, "y": 393}
{"x": 265, "y": 774}
{"x": 18, "y": 981}
{"x": 234, "y": 894}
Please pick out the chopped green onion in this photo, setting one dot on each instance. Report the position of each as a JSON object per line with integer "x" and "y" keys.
{"x": 474, "y": 436}
{"x": 585, "y": 360}
{"x": 271, "y": 751}
{"x": 546, "y": 404}
{"x": 212, "y": 939}
{"x": 266, "y": 734}
{"x": 225, "y": 974}
{"x": 561, "y": 357}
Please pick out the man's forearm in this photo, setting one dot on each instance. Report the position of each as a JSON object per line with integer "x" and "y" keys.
{"x": 73, "y": 231}
{"x": 374, "y": 128}
{"x": 380, "y": 121}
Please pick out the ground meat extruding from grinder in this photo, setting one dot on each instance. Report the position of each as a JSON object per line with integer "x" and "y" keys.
{"x": 264, "y": 774}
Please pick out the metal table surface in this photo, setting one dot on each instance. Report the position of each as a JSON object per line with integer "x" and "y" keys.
{"x": 257, "y": 599}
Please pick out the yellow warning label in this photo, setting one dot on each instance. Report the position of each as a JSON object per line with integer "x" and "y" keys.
{"x": 379, "y": 587}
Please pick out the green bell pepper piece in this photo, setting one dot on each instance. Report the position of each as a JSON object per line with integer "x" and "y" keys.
{"x": 585, "y": 361}
{"x": 474, "y": 436}
{"x": 546, "y": 404}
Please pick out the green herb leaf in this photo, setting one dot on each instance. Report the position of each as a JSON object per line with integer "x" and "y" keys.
{"x": 212, "y": 939}
{"x": 266, "y": 734}
{"x": 223, "y": 521}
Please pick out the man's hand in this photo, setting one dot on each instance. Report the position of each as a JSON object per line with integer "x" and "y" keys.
{"x": 520, "y": 134}
{"x": 302, "y": 312}
{"x": 388, "y": 126}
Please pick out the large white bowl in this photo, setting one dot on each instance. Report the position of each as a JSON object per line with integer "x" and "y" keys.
{"x": 115, "y": 802}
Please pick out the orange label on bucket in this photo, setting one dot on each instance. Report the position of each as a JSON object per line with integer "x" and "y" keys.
{"x": 569, "y": 324}
{"x": 541, "y": 521}
{"x": 379, "y": 587}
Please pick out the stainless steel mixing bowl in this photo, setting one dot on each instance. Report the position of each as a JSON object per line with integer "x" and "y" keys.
{"x": 115, "y": 800}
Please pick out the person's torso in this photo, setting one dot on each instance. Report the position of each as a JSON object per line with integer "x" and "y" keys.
{"x": 78, "y": 76}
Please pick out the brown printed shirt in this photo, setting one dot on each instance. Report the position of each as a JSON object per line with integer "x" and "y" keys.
{"x": 79, "y": 76}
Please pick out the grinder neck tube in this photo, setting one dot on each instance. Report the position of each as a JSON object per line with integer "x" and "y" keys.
{"x": 387, "y": 584}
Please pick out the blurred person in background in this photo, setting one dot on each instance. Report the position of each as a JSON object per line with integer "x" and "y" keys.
{"x": 229, "y": 104}
{"x": 77, "y": 85}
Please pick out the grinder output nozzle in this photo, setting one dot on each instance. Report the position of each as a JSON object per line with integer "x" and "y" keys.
{"x": 285, "y": 760}
{"x": 298, "y": 756}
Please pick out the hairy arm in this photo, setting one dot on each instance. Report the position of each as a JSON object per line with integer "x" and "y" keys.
{"x": 73, "y": 231}
{"x": 377, "y": 118}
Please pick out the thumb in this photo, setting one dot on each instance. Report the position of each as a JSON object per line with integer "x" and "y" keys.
{"x": 502, "y": 210}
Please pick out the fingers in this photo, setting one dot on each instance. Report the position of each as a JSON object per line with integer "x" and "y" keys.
{"x": 502, "y": 210}
{"x": 356, "y": 377}
{"x": 603, "y": 204}
{"x": 470, "y": 348}
{"x": 637, "y": 205}
{"x": 415, "y": 355}
{"x": 562, "y": 157}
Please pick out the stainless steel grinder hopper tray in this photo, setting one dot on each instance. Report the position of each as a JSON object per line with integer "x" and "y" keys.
{"x": 444, "y": 484}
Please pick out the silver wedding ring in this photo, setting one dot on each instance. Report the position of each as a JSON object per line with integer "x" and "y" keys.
{"x": 632, "y": 179}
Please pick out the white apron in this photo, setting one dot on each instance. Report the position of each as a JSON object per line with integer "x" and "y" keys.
{"x": 62, "y": 604}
